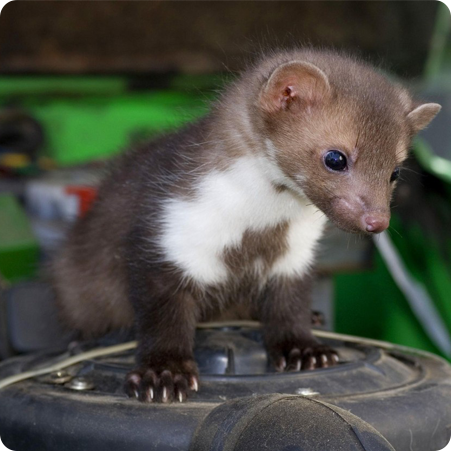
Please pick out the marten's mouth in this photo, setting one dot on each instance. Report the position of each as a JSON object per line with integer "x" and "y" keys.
{"x": 350, "y": 228}
{"x": 342, "y": 219}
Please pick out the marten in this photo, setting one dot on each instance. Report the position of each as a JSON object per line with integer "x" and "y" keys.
{"x": 227, "y": 212}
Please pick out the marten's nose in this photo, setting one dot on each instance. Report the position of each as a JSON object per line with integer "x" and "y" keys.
{"x": 376, "y": 222}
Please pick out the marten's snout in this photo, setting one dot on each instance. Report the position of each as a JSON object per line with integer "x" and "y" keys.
{"x": 375, "y": 222}
{"x": 356, "y": 214}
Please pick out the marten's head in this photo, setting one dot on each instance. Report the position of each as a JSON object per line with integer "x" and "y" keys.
{"x": 339, "y": 132}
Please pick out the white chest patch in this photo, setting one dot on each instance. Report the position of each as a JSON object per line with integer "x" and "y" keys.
{"x": 197, "y": 231}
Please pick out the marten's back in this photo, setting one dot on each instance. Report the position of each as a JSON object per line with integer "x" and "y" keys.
{"x": 89, "y": 272}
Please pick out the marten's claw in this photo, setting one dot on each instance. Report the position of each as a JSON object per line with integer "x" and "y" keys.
{"x": 165, "y": 386}
{"x": 307, "y": 357}
{"x": 310, "y": 358}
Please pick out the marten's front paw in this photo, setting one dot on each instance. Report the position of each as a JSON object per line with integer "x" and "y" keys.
{"x": 171, "y": 382}
{"x": 306, "y": 358}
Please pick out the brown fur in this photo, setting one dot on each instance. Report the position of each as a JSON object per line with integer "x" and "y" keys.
{"x": 112, "y": 270}
{"x": 257, "y": 248}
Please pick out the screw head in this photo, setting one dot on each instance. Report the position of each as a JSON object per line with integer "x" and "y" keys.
{"x": 80, "y": 383}
{"x": 59, "y": 377}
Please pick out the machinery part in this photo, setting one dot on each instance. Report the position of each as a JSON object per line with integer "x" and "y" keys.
{"x": 285, "y": 423}
{"x": 402, "y": 393}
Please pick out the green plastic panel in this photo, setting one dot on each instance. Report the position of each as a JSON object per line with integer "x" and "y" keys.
{"x": 18, "y": 246}
{"x": 88, "y": 118}
{"x": 370, "y": 304}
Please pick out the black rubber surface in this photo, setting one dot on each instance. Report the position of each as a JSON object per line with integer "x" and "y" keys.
{"x": 403, "y": 395}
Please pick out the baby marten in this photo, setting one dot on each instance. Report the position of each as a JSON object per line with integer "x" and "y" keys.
{"x": 228, "y": 211}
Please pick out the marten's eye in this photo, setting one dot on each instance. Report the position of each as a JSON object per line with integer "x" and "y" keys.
{"x": 394, "y": 175}
{"x": 335, "y": 160}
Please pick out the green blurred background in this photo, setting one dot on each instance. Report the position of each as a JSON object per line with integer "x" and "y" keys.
{"x": 86, "y": 80}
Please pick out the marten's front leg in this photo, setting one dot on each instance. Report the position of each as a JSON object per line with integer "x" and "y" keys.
{"x": 286, "y": 317}
{"x": 165, "y": 321}
{"x": 166, "y": 370}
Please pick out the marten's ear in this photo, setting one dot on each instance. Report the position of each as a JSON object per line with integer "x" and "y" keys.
{"x": 422, "y": 115}
{"x": 294, "y": 83}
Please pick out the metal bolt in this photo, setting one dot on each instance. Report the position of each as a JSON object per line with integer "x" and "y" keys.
{"x": 306, "y": 392}
{"x": 80, "y": 383}
{"x": 59, "y": 377}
